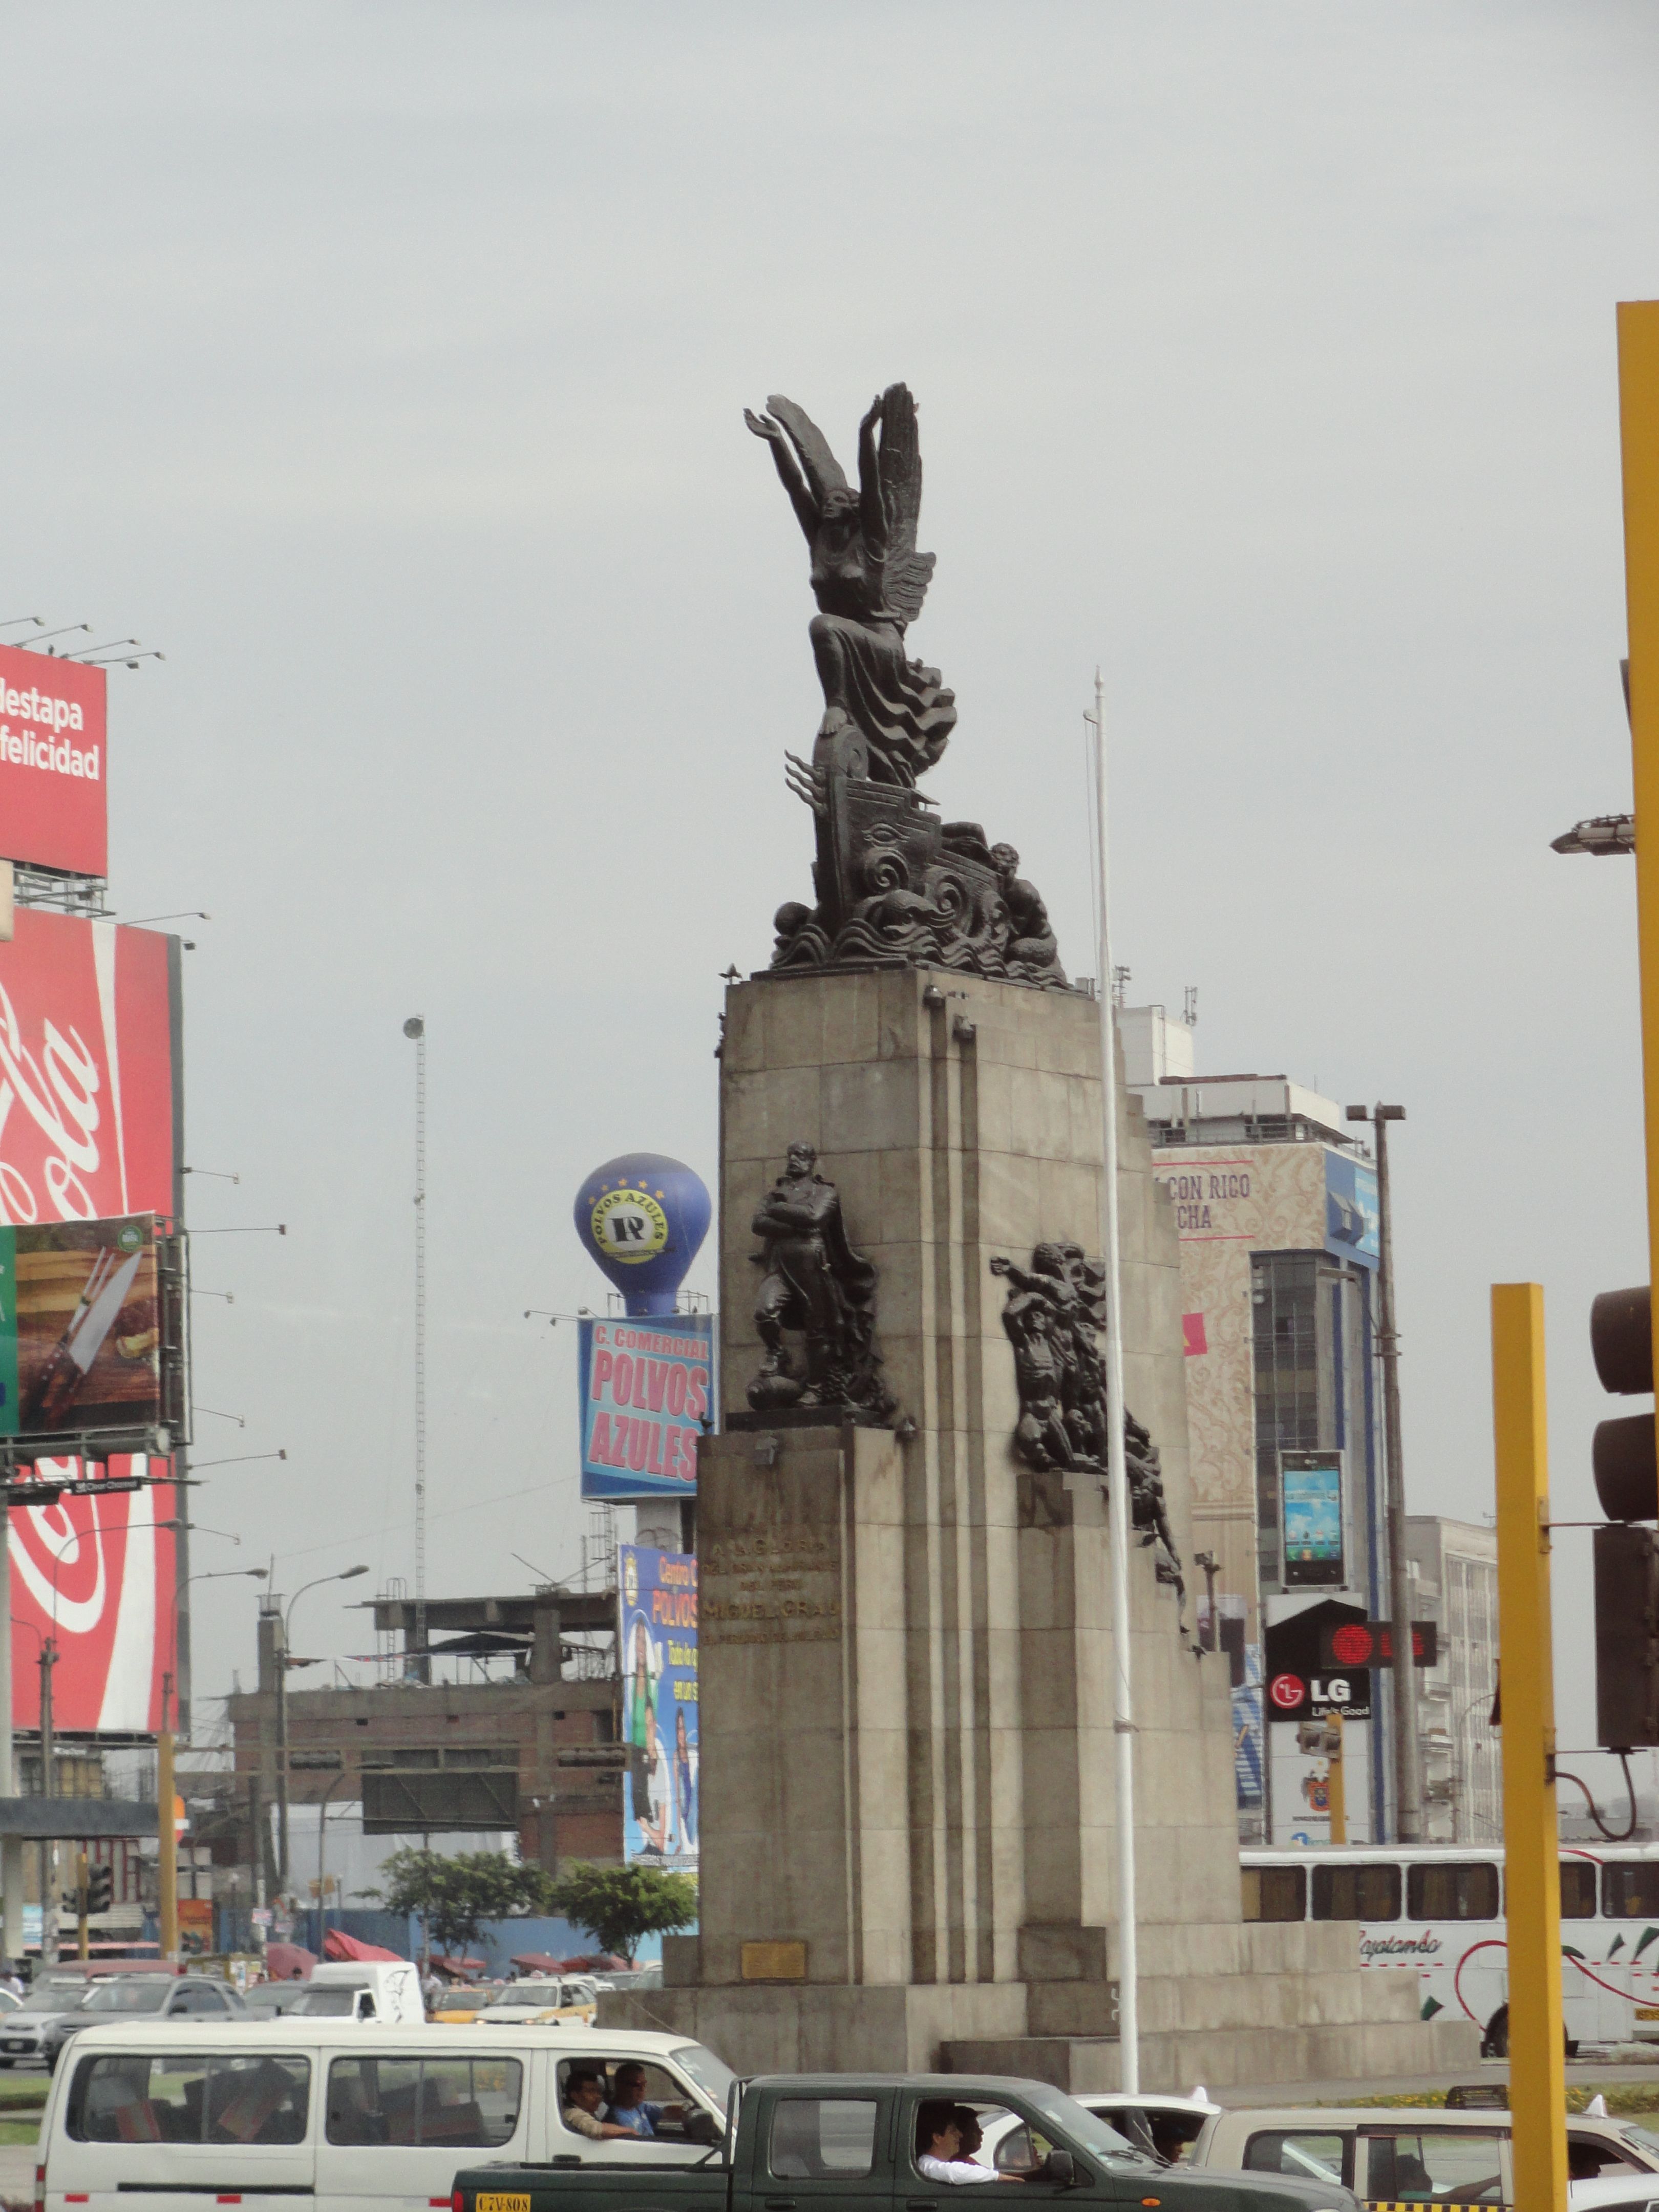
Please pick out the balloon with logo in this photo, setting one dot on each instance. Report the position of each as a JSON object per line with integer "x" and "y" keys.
{"x": 643, "y": 1217}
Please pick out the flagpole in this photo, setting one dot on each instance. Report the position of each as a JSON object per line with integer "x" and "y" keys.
{"x": 1128, "y": 2006}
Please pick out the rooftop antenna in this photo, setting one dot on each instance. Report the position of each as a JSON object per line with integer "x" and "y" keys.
{"x": 415, "y": 1028}
{"x": 1189, "y": 1012}
{"x": 1119, "y": 987}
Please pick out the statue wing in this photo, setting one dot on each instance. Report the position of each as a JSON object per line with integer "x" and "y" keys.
{"x": 822, "y": 469}
{"x": 908, "y": 572}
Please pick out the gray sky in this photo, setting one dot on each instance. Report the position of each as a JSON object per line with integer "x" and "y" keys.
{"x": 385, "y": 364}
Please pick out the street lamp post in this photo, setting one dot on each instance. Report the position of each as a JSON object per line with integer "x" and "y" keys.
{"x": 166, "y": 1833}
{"x": 346, "y": 1575}
{"x": 1408, "y": 1753}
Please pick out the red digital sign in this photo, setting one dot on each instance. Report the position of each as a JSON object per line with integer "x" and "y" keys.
{"x": 88, "y": 1089}
{"x": 54, "y": 763}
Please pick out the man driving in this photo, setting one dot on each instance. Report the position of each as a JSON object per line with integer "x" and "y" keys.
{"x": 629, "y": 2110}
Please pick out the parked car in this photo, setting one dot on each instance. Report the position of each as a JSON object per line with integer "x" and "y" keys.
{"x": 137, "y": 1997}
{"x": 460, "y": 2006}
{"x": 272, "y": 2000}
{"x": 371, "y": 2120}
{"x": 1382, "y": 2155}
{"x": 361, "y": 1989}
{"x": 23, "y": 2027}
{"x": 542, "y": 2002}
{"x": 1169, "y": 2127}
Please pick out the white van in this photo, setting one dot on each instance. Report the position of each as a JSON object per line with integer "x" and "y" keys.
{"x": 348, "y": 2116}
{"x": 361, "y": 1989}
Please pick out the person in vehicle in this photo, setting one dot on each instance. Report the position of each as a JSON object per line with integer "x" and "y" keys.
{"x": 941, "y": 2147}
{"x": 629, "y": 2110}
{"x": 584, "y": 2096}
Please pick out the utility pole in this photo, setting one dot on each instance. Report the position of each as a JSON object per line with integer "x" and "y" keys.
{"x": 280, "y": 1639}
{"x": 1128, "y": 2004}
{"x": 1407, "y": 1751}
{"x": 11, "y": 1847}
{"x": 415, "y": 1028}
{"x": 167, "y": 1834}
{"x": 48, "y": 1789}
{"x": 83, "y": 1946}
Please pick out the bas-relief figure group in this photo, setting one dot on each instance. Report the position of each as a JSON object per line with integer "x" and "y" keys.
{"x": 896, "y": 886}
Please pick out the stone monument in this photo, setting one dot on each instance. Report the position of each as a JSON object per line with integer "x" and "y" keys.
{"x": 906, "y": 1787}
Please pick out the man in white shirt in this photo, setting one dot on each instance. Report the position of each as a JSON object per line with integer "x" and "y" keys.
{"x": 939, "y": 2147}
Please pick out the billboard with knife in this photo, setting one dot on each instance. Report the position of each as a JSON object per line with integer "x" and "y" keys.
{"x": 79, "y": 1328}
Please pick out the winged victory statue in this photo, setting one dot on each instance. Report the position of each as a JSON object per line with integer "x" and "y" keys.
{"x": 894, "y": 884}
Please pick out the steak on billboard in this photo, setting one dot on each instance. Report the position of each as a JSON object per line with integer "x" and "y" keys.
{"x": 54, "y": 781}
{"x": 88, "y": 1038}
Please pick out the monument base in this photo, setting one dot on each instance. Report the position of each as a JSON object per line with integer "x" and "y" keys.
{"x": 908, "y": 1768}
{"x": 982, "y": 2028}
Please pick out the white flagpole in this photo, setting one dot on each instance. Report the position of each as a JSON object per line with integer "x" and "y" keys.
{"x": 1128, "y": 2006}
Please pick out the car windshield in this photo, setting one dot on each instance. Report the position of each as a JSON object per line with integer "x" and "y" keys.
{"x": 532, "y": 1993}
{"x": 57, "y": 1998}
{"x": 1089, "y": 2129}
{"x": 150, "y": 1995}
{"x": 712, "y": 2075}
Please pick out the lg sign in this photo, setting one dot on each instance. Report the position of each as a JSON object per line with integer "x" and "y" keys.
{"x": 54, "y": 811}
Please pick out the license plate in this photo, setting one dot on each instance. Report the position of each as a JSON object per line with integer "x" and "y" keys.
{"x": 15, "y": 2047}
{"x": 495, "y": 2200}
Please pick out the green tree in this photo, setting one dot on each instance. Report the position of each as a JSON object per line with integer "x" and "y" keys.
{"x": 618, "y": 1905}
{"x": 454, "y": 1897}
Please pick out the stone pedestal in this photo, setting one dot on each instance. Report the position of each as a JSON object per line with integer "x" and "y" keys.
{"x": 907, "y": 1792}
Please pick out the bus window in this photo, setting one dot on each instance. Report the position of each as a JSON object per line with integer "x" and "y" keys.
{"x": 1630, "y": 1892}
{"x": 1577, "y": 1890}
{"x": 1357, "y": 1893}
{"x": 1458, "y": 1889}
{"x": 1275, "y": 1893}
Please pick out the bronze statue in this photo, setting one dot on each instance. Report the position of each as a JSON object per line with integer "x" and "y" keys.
{"x": 884, "y": 717}
{"x": 895, "y": 886}
{"x": 814, "y": 1282}
{"x": 1052, "y": 1315}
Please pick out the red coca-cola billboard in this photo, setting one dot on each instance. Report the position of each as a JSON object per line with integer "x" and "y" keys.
{"x": 89, "y": 1102}
{"x": 54, "y": 763}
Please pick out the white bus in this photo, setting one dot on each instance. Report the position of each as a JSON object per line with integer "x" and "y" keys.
{"x": 1439, "y": 1908}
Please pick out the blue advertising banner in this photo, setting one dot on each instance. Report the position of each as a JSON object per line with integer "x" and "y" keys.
{"x": 648, "y": 1394}
{"x": 1353, "y": 1221}
{"x": 657, "y": 1597}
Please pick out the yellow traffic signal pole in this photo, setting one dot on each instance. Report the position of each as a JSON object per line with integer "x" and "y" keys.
{"x": 1337, "y": 1782}
{"x": 1526, "y": 1668}
{"x": 1638, "y": 429}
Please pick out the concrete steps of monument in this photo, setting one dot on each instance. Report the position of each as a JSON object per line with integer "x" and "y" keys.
{"x": 1199, "y": 2001}
{"x": 1201, "y": 1947}
{"x": 1358, "y": 2052}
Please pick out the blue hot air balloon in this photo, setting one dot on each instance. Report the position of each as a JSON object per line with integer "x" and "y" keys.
{"x": 643, "y": 1217}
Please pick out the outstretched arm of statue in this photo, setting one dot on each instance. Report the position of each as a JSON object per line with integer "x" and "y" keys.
{"x": 1016, "y": 1276}
{"x": 872, "y": 511}
{"x": 806, "y": 506}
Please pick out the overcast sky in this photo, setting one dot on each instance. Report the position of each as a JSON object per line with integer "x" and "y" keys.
{"x": 385, "y": 365}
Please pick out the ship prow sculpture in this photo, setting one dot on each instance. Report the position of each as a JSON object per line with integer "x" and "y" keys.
{"x": 894, "y": 884}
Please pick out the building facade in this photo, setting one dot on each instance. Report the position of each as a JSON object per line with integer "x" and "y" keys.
{"x": 1275, "y": 1207}
{"x": 1454, "y": 1578}
{"x": 524, "y": 1737}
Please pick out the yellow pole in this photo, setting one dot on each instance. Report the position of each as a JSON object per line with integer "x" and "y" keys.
{"x": 81, "y": 1903}
{"x": 1639, "y": 428}
{"x": 168, "y": 1860}
{"x": 1531, "y": 1856}
{"x": 1337, "y": 1784}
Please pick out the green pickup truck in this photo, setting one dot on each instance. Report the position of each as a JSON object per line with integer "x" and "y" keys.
{"x": 851, "y": 2143}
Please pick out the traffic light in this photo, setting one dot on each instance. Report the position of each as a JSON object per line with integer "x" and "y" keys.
{"x": 100, "y": 1888}
{"x": 1626, "y": 1556}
